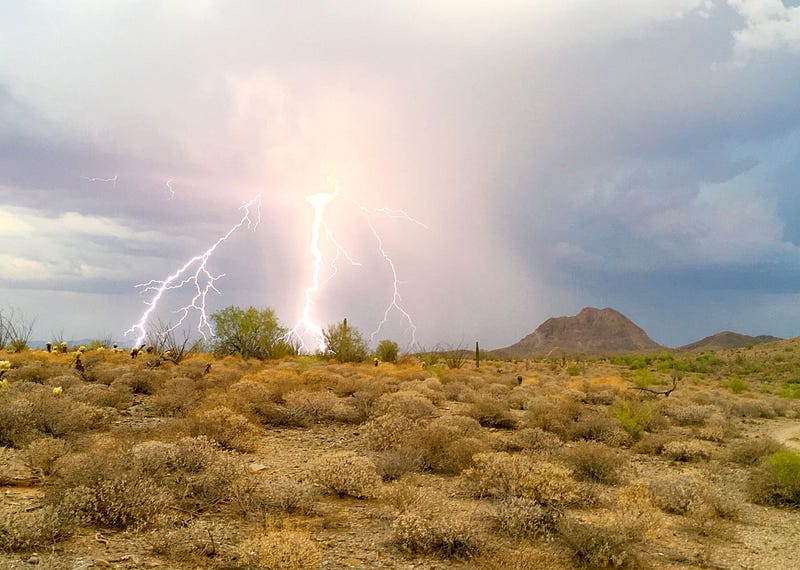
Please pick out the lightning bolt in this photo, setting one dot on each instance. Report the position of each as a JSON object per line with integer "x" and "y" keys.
{"x": 112, "y": 180}
{"x": 396, "y": 300}
{"x": 306, "y": 326}
{"x": 193, "y": 273}
{"x": 169, "y": 187}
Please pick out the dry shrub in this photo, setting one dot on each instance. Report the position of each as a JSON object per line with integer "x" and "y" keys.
{"x": 430, "y": 388}
{"x": 143, "y": 381}
{"x": 686, "y": 450}
{"x": 690, "y": 494}
{"x": 753, "y": 407}
{"x": 17, "y": 427}
{"x": 197, "y": 539}
{"x": 490, "y": 412}
{"x": 394, "y": 463}
{"x": 595, "y": 462}
{"x": 35, "y": 529}
{"x": 449, "y": 443}
{"x": 502, "y": 475}
{"x": 259, "y": 496}
{"x": 28, "y": 411}
{"x": 520, "y": 517}
{"x": 653, "y": 443}
{"x": 117, "y": 395}
{"x": 120, "y": 502}
{"x": 451, "y": 538}
{"x": 750, "y": 451}
{"x": 224, "y": 426}
{"x": 404, "y": 403}
{"x": 717, "y": 428}
{"x": 320, "y": 406}
{"x": 459, "y": 392}
{"x": 176, "y": 396}
{"x": 598, "y": 427}
{"x": 345, "y": 473}
{"x": 259, "y": 401}
{"x": 388, "y": 431}
{"x": 521, "y": 557}
{"x": 535, "y": 439}
{"x": 684, "y": 414}
{"x": 283, "y": 549}
{"x": 43, "y": 453}
{"x": 614, "y": 545}
{"x": 552, "y": 415}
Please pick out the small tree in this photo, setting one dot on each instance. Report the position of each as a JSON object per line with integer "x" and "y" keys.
{"x": 250, "y": 332}
{"x": 345, "y": 343}
{"x": 387, "y": 351}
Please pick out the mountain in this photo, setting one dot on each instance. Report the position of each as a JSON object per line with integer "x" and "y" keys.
{"x": 727, "y": 339}
{"x": 592, "y": 331}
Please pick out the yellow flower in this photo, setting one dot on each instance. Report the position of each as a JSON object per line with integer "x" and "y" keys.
{"x": 5, "y": 365}
{"x": 3, "y": 384}
{"x": 57, "y": 390}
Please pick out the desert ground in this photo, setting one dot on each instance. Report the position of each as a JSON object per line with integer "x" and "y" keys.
{"x": 429, "y": 462}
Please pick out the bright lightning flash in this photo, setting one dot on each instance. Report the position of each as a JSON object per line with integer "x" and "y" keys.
{"x": 306, "y": 326}
{"x": 112, "y": 180}
{"x": 194, "y": 274}
{"x": 169, "y": 187}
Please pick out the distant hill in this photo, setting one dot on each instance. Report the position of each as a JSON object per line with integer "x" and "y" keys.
{"x": 726, "y": 340}
{"x": 592, "y": 331}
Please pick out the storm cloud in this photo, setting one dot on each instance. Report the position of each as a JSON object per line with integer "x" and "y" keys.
{"x": 634, "y": 154}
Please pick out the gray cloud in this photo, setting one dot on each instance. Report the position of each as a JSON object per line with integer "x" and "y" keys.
{"x": 560, "y": 155}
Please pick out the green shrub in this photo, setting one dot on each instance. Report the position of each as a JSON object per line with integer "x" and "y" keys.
{"x": 736, "y": 385}
{"x": 387, "y": 351}
{"x": 777, "y": 480}
{"x": 635, "y": 417}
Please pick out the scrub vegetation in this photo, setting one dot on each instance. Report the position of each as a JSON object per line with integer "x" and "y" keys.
{"x": 221, "y": 461}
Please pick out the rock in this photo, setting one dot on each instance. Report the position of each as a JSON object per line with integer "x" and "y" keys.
{"x": 33, "y": 560}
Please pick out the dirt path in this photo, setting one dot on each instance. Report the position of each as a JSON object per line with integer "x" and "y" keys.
{"x": 787, "y": 433}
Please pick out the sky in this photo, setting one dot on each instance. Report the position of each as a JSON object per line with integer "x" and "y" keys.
{"x": 547, "y": 156}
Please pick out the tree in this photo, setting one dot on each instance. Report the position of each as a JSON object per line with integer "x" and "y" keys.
{"x": 249, "y": 332}
{"x": 345, "y": 343}
{"x": 387, "y": 351}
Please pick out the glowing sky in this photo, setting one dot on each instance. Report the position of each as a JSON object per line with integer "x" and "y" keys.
{"x": 629, "y": 153}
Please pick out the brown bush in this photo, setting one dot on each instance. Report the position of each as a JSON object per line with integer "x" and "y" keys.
{"x": 689, "y": 494}
{"x": 535, "y": 439}
{"x": 199, "y": 540}
{"x": 448, "y": 444}
{"x": 388, "y": 431}
{"x": 176, "y": 396}
{"x": 261, "y": 402}
{"x": 595, "y": 462}
{"x": 320, "y": 406}
{"x": 492, "y": 413}
{"x": 283, "y": 549}
{"x": 43, "y": 453}
{"x": 225, "y": 427}
{"x": 404, "y": 403}
{"x": 686, "y": 450}
{"x": 117, "y": 395}
{"x": 345, "y": 473}
{"x": 33, "y": 530}
{"x": 750, "y": 451}
{"x": 614, "y": 545}
{"x": 520, "y": 517}
{"x": 501, "y": 475}
{"x": 446, "y": 537}
{"x": 394, "y": 463}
